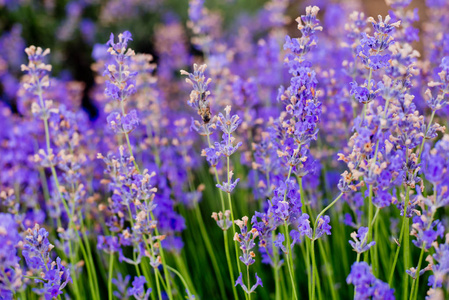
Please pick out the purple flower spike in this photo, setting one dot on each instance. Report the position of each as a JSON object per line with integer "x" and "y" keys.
{"x": 323, "y": 227}
{"x": 360, "y": 245}
{"x": 228, "y": 187}
{"x": 366, "y": 285}
{"x": 137, "y": 290}
{"x": 239, "y": 281}
{"x": 37, "y": 252}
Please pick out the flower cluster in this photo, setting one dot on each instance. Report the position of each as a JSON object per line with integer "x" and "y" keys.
{"x": 360, "y": 244}
{"x": 199, "y": 99}
{"x": 367, "y": 286}
{"x": 248, "y": 290}
{"x": 121, "y": 83}
{"x": 37, "y": 251}
{"x": 440, "y": 269}
{"x": 137, "y": 290}
{"x": 246, "y": 240}
{"x": 372, "y": 48}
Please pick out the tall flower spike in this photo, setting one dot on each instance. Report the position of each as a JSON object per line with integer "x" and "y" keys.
{"x": 121, "y": 83}
{"x": 246, "y": 240}
{"x": 37, "y": 252}
{"x": 200, "y": 93}
{"x": 38, "y": 80}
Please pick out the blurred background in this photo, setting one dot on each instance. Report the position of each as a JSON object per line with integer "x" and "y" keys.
{"x": 71, "y": 29}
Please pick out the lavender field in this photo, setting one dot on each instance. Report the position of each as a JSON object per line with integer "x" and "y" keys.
{"x": 233, "y": 149}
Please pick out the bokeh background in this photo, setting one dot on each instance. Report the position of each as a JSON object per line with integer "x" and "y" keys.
{"x": 71, "y": 29}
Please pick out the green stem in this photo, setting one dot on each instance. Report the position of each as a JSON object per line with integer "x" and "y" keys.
{"x": 249, "y": 284}
{"x": 226, "y": 245}
{"x": 312, "y": 250}
{"x": 289, "y": 260}
{"x": 158, "y": 286}
{"x": 164, "y": 266}
{"x": 416, "y": 280}
{"x": 424, "y": 138}
{"x": 324, "y": 210}
{"x": 210, "y": 250}
{"x": 89, "y": 271}
{"x": 308, "y": 258}
{"x": 146, "y": 272}
{"x": 182, "y": 279}
{"x": 89, "y": 258}
{"x": 375, "y": 252}
{"x": 396, "y": 256}
{"x": 228, "y": 259}
{"x": 111, "y": 265}
{"x": 183, "y": 270}
{"x": 276, "y": 282}
{"x": 368, "y": 236}
{"x": 233, "y": 232}
{"x": 314, "y": 268}
{"x": 406, "y": 244}
{"x": 415, "y": 283}
{"x": 329, "y": 269}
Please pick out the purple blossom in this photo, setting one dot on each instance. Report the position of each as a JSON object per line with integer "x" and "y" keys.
{"x": 304, "y": 226}
{"x": 137, "y": 290}
{"x": 246, "y": 240}
{"x": 239, "y": 281}
{"x": 123, "y": 124}
{"x": 223, "y": 219}
{"x": 382, "y": 199}
{"x": 323, "y": 227}
{"x": 366, "y": 285}
{"x": 360, "y": 244}
{"x": 228, "y": 187}
{"x": 121, "y": 283}
{"x": 36, "y": 252}
{"x": 426, "y": 233}
{"x": 109, "y": 244}
{"x": 361, "y": 93}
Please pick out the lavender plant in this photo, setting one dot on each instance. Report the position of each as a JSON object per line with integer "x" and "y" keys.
{"x": 322, "y": 159}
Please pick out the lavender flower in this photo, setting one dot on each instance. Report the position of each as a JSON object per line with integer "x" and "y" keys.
{"x": 121, "y": 83}
{"x": 323, "y": 227}
{"x": 36, "y": 252}
{"x": 199, "y": 99}
{"x": 228, "y": 187}
{"x": 440, "y": 268}
{"x": 366, "y": 285}
{"x": 123, "y": 124}
{"x": 372, "y": 47}
{"x": 426, "y": 230}
{"x": 247, "y": 290}
{"x": 137, "y": 290}
{"x": 440, "y": 101}
{"x": 121, "y": 283}
{"x": 246, "y": 239}
{"x": 360, "y": 243}
{"x": 223, "y": 219}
